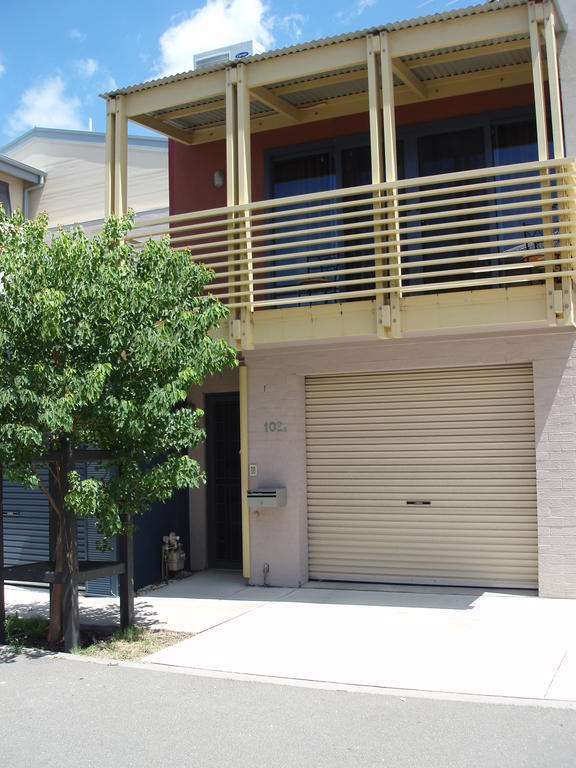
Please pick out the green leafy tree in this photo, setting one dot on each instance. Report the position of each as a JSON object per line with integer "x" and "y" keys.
{"x": 100, "y": 343}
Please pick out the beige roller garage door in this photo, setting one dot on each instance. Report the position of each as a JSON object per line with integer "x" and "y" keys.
{"x": 423, "y": 477}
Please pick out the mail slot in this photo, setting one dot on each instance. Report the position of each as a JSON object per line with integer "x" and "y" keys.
{"x": 260, "y": 498}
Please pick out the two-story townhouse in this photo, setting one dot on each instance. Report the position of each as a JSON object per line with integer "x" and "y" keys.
{"x": 390, "y": 216}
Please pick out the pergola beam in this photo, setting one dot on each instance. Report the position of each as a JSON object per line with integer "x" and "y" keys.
{"x": 277, "y": 103}
{"x": 469, "y": 53}
{"x": 197, "y": 109}
{"x": 409, "y": 79}
{"x": 179, "y": 134}
{"x": 192, "y": 109}
{"x": 177, "y": 93}
{"x": 465, "y": 30}
{"x": 314, "y": 61}
{"x": 323, "y": 80}
{"x": 455, "y": 85}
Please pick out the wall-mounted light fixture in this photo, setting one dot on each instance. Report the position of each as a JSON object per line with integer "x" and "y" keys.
{"x": 219, "y": 177}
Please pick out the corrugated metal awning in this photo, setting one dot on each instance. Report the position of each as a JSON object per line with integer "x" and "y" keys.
{"x": 334, "y": 40}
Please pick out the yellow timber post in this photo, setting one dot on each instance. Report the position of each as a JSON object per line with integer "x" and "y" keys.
{"x": 383, "y": 318}
{"x": 390, "y": 166}
{"x": 245, "y": 197}
{"x": 567, "y": 303}
{"x": 541, "y": 133}
{"x": 121, "y": 158}
{"x": 110, "y": 161}
{"x": 238, "y": 168}
{"x": 243, "y": 397}
{"x": 235, "y": 320}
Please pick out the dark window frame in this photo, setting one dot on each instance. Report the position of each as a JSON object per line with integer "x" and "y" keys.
{"x": 5, "y": 197}
{"x": 406, "y": 136}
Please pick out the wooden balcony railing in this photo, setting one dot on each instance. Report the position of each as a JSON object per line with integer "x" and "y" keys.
{"x": 487, "y": 228}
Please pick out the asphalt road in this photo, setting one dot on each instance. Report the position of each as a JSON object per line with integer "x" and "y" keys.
{"x": 59, "y": 713}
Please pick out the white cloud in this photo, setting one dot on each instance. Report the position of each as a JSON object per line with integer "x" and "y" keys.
{"x": 2, "y": 69}
{"x": 292, "y": 25}
{"x": 216, "y": 24}
{"x": 108, "y": 83}
{"x": 86, "y": 67}
{"x": 75, "y": 34}
{"x": 46, "y": 105}
{"x": 356, "y": 10}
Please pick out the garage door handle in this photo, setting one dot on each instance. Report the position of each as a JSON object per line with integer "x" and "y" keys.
{"x": 419, "y": 502}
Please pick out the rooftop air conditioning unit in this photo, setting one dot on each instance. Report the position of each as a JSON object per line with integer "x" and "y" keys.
{"x": 229, "y": 53}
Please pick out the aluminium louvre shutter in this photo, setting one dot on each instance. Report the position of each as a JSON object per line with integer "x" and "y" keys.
{"x": 26, "y": 534}
{"x": 423, "y": 477}
{"x": 90, "y": 538}
{"x": 26, "y": 529}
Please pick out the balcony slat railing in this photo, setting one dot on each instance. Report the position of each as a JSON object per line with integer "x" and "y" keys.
{"x": 486, "y": 228}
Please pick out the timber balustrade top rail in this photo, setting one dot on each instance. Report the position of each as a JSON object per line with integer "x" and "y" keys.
{"x": 484, "y": 228}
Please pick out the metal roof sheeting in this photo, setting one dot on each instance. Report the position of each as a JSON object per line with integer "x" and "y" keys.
{"x": 182, "y": 107}
{"x": 336, "y": 90}
{"x": 392, "y": 27}
{"x": 199, "y": 120}
{"x": 471, "y": 64}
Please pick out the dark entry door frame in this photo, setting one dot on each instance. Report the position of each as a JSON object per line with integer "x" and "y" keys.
{"x": 223, "y": 493}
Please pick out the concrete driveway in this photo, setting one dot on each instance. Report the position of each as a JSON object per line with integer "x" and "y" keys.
{"x": 447, "y": 640}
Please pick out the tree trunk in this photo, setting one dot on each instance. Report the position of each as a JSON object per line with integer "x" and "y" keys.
{"x": 64, "y": 617}
{"x": 55, "y": 626}
{"x": 56, "y": 533}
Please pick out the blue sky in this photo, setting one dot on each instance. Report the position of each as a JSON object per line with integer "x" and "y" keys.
{"x": 55, "y": 58}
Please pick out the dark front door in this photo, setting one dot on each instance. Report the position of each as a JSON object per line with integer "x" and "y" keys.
{"x": 223, "y": 480}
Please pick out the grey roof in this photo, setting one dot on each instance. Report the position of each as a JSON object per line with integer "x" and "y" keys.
{"x": 89, "y": 137}
{"x": 473, "y": 10}
{"x": 21, "y": 170}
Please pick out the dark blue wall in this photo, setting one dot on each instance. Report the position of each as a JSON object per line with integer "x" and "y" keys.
{"x": 149, "y": 530}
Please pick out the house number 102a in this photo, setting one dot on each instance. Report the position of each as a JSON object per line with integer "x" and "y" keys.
{"x": 275, "y": 426}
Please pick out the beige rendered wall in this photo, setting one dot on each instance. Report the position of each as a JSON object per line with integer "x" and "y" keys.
{"x": 276, "y": 393}
{"x": 227, "y": 381}
{"x": 74, "y": 188}
{"x": 15, "y": 190}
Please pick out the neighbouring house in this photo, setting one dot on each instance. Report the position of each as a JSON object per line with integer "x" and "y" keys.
{"x": 391, "y": 219}
{"x": 70, "y": 188}
{"x": 74, "y": 168}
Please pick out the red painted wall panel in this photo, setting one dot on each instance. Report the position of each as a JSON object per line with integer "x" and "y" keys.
{"x": 192, "y": 168}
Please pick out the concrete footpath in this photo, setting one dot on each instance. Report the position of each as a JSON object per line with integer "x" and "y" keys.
{"x": 62, "y": 712}
{"x": 462, "y": 641}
